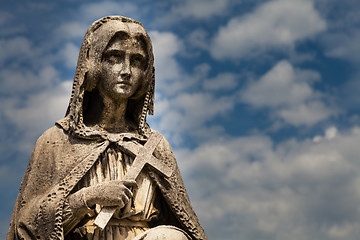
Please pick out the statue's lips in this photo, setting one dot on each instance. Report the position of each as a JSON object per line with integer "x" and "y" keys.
{"x": 123, "y": 83}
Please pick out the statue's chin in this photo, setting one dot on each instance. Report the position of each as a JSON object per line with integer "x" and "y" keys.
{"x": 120, "y": 91}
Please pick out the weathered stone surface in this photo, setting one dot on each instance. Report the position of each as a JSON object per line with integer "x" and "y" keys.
{"x": 103, "y": 159}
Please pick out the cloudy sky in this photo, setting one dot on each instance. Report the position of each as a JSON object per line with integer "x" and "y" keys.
{"x": 259, "y": 100}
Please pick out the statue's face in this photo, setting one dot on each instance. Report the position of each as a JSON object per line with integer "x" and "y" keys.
{"x": 122, "y": 67}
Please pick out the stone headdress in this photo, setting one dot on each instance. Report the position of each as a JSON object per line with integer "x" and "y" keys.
{"x": 84, "y": 94}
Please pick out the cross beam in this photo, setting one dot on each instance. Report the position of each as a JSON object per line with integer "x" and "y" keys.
{"x": 143, "y": 157}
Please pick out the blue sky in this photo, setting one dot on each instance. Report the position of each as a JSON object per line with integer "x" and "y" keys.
{"x": 259, "y": 100}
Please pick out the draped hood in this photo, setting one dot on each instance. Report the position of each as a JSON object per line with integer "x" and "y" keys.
{"x": 85, "y": 95}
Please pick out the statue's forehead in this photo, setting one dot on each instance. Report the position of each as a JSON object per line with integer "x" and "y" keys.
{"x": 112, "y": 27}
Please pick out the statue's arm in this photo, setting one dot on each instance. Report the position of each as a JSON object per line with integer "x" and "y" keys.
{"x": 39, "y": 203}
{"x": 36, "y": 184}
{"x": 75, "y": 208}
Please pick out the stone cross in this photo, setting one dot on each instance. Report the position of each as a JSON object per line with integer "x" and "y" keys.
{"x": 144, "y": 156}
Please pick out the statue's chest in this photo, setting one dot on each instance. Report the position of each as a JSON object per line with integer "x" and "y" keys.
{"x": 113, "y": 164}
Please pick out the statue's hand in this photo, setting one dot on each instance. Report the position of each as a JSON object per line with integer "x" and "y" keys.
{"x": 112, "y": 193}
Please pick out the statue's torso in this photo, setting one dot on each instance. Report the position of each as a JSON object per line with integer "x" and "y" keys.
{"x": 131, "y": 220}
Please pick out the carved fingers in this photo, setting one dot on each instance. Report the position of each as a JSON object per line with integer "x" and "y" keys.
{"x": 112, "y": 193}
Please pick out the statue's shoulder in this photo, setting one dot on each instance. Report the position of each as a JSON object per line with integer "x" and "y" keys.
{"x": 163, "y": 150}
{"x": 163, "y": 143}
{"x": 53, "y": 134}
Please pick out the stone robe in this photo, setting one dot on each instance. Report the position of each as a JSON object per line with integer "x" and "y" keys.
{"x": 57, "y": 164}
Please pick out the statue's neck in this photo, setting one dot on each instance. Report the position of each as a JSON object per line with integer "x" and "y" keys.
{"x": 113, "y": 117}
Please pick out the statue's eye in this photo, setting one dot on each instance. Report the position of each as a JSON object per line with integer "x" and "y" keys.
{"x": 137, "y": 60}
{"x": 113, "y": 57}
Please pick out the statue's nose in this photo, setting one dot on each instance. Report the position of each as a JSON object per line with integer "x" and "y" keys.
{"x": 125, "y": 70}
{"x": 125, "y": 75}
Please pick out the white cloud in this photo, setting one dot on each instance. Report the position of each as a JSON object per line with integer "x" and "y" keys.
{"x": 349, "y": 92}
{"x": 4, "y": 17}
{"x": 42, "y": 107}
{"x": 90, "y": 12}
{"x": 274, "y": 24}
{"x": 93, "y": 11}
{"x": 221, "y": 81}
{"x": 295, "y": 190}
{"x": 330, "y": 133}
{"x": 15, "y": 82}
{"x": 172, "y": 79}
{"x": 197, "y": 106}
{"x": 166, "y": 46}
{"x": 342, "y": 36}
{"x": 38, "y": 112}
{"x": 70, "y": 30}
{"x": 199, "y": 39}
{"x": 343, "y": 46}
{"x": 308, "y": 113}
{"x": 188, "y": 10}
{"x": 287, "y": 91}
{"x": 180, "y": 108}
{"x": 20, "y": 48}
{"x": 280, "y": 86}
{"x": 187, "y": 114}
{"x": 37, "y": 6}
{"x": 69, "y": 53}
{"x": 200, "y": 9}
{"x": 343, "y": 231}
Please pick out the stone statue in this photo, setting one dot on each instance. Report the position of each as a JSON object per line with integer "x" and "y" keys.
{"x": 101, "y": 172}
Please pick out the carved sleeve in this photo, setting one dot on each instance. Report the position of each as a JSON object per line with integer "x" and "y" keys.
{"x": 39, "y": 212}
{"x": 36, "y": 206}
